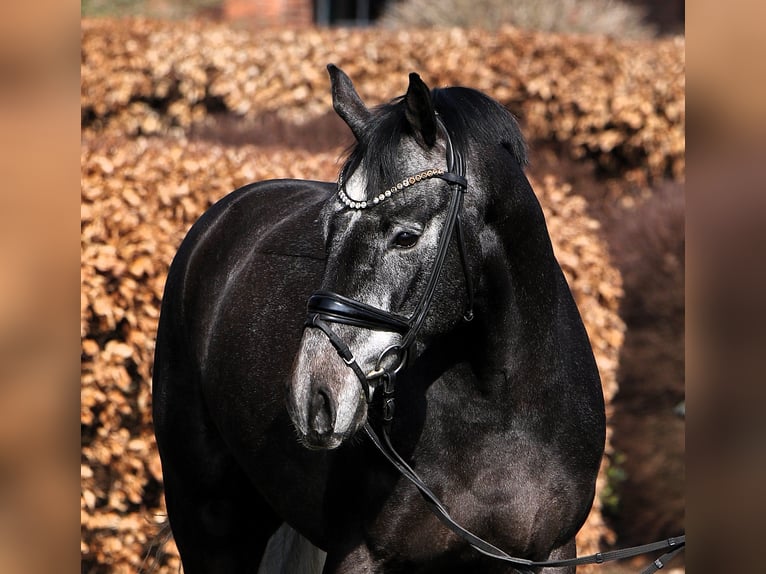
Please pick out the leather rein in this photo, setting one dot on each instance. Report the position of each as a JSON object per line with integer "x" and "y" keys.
{"x": 326, "y": 307}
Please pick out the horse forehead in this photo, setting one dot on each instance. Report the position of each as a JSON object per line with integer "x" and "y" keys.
{"x": 356, "y": 186}
{"x": 410, "y": 158}
{"x": 414, "y": 158}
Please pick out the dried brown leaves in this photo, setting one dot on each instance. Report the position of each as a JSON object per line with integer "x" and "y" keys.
{"x": 610, "y": 101}
{"x": 621, "y": 104}
{"x": 138, "y": 199}
{"x": 597, "y": 288}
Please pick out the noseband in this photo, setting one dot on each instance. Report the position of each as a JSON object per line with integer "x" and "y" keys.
{"x": 326, "y": 307}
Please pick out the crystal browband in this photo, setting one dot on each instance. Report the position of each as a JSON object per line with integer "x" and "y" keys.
{"x": 406, "y": 182}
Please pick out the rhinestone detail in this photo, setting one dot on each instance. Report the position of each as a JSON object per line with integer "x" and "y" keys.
{"x": 403, "y": 184}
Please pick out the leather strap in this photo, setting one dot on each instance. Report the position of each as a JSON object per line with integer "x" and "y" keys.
{"x": 468, "y": 313}
{"x": 435, "y": 505}
{"x": 344, "y": 352}
{"x": 339, "y": 309}
{"x": 418, "y": 317}
{"x": 664, "y": 559}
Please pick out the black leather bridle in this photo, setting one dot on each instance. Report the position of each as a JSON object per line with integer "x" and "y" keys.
{"x": 327, "y": 307}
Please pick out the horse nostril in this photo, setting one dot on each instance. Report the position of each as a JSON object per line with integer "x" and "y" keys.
{"x": 322, "y": 413}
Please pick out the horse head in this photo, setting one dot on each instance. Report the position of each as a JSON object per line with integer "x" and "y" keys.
{"x": 383, "y": 231}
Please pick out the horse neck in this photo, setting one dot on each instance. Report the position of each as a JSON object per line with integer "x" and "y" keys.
{"x": 522, "y": 290}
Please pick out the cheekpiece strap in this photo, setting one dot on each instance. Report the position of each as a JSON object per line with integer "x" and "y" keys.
{"x": 454, "y": 178}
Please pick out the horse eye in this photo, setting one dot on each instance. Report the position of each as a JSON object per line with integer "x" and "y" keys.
{"x": 406, "y": 239}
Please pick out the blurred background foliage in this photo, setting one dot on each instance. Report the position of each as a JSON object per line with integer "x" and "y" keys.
{"x": 618, "y": 18}
{"x": 170, "y": 9}
{"x": 611, "y": 17}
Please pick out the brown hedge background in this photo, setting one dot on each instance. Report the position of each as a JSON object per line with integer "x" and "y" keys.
{"x": 175, "y": 115}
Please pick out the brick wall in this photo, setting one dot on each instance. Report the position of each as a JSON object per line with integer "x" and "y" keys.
{"x": 270, "y": 12}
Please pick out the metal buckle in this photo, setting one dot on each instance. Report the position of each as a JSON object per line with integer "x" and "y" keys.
{"x": 387, "y": 351}
{"x": 380, "y": 372}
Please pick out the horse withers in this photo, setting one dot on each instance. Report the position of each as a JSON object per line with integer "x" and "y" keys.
{"x": 293, "y": 306}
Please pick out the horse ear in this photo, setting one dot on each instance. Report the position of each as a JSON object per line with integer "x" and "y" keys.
{"x": 420, "y": 109}
{"x": 346, "y": 102}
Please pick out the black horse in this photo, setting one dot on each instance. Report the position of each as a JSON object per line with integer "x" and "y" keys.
{"x": 428, "y": 264}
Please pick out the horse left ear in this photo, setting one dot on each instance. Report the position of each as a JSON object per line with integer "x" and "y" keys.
{"x": 420, "y": 109}
{"x": 347, "y": 103}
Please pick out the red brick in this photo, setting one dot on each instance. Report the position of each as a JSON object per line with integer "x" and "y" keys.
{"x": 270, "y": 12}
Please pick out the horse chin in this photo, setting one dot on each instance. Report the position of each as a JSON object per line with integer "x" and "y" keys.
{"x": 313, "y": 441}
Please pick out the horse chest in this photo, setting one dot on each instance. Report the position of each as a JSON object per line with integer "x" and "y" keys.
{"x": 501, "y": 502}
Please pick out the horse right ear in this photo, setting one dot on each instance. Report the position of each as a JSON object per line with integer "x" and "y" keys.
{"x": 419, "y": 109}
{"x": 347, "y": 103}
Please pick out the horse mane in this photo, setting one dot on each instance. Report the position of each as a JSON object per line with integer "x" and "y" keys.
{"x": 472, "y": 118}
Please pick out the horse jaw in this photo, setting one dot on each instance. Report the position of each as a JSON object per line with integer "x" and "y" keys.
{"x": 325, "y": 399}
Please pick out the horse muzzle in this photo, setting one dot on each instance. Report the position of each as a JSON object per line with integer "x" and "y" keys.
{"x": 324, "y": 419}
{"x": 323, "y": 398}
